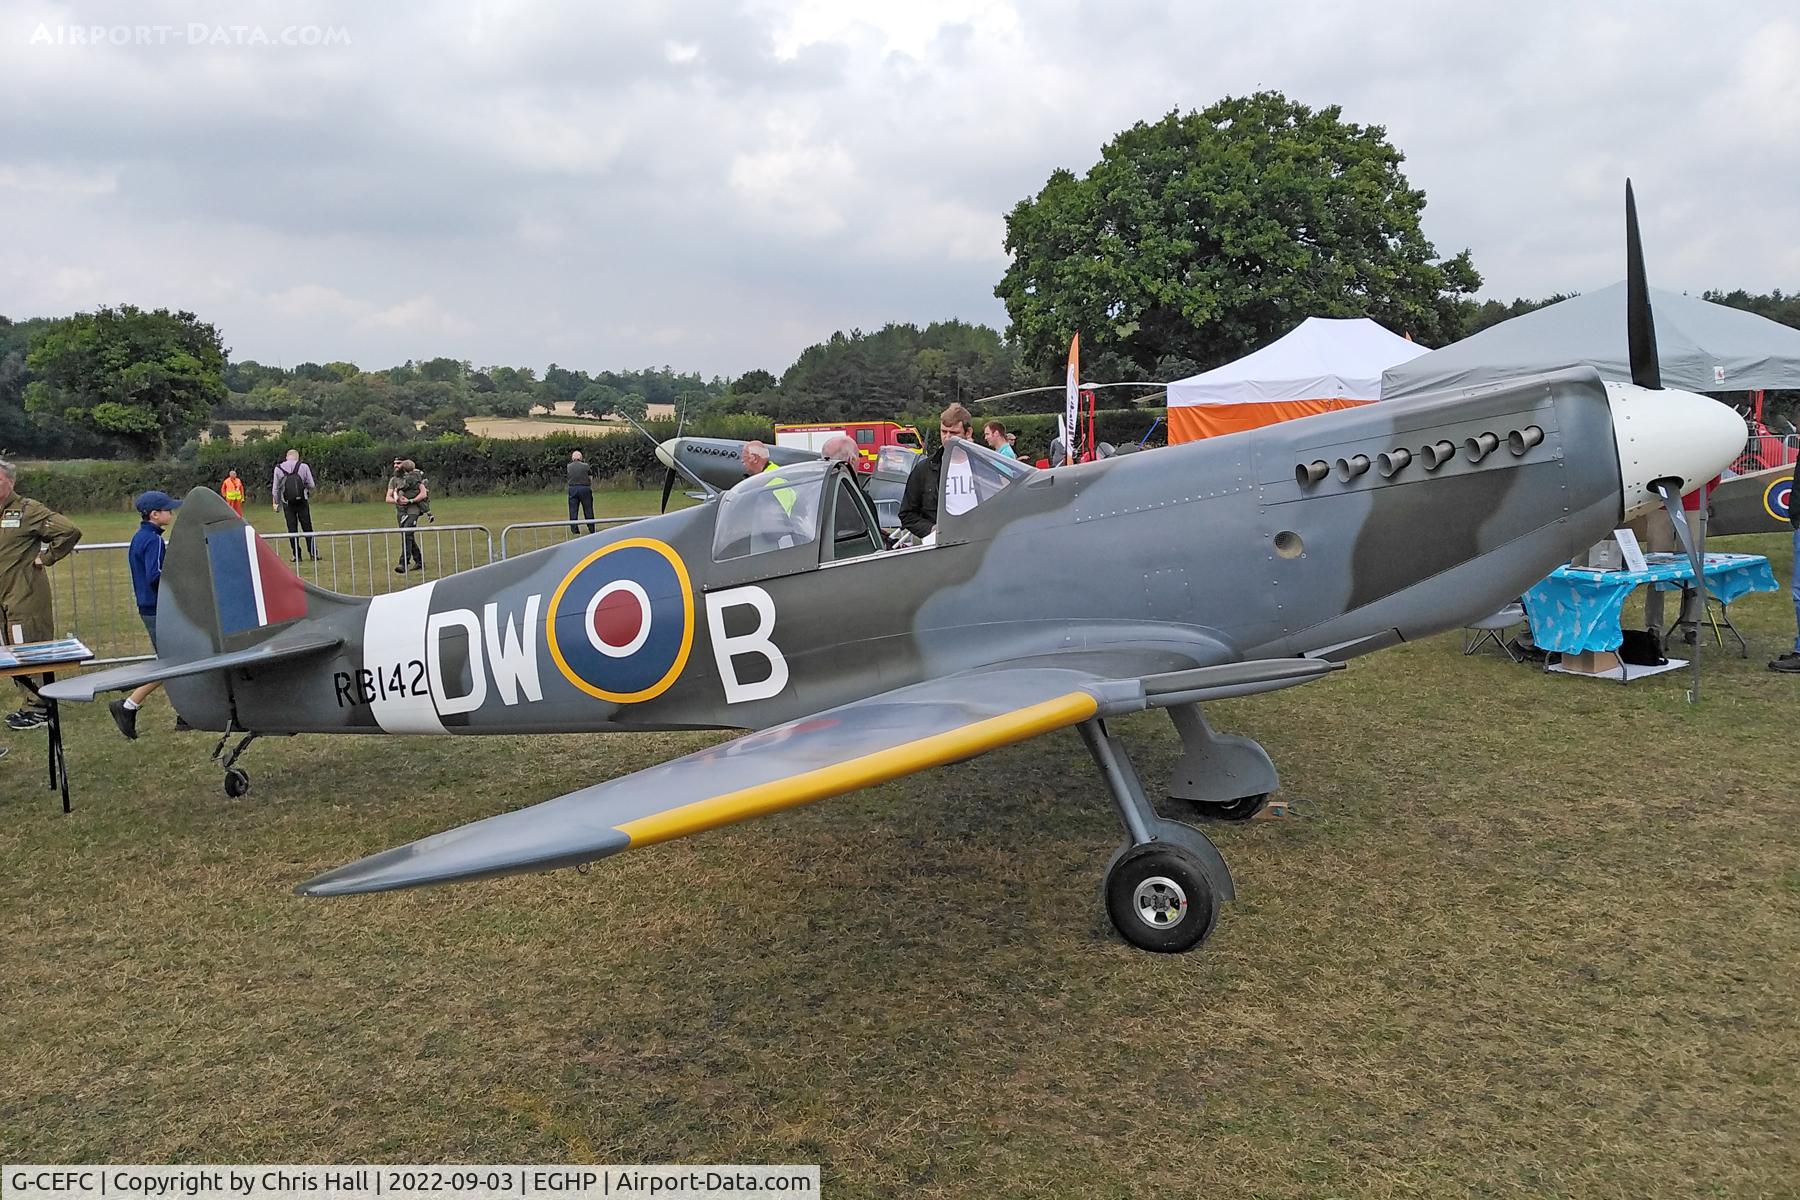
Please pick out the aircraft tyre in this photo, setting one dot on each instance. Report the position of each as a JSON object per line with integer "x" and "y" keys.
{"x": 1160, "y": 898}
{"x": 1241, "y": 809}
{"x": 237, "y": 782}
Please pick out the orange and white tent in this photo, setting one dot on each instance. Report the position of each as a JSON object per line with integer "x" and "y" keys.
{"x": 1323, "y": 364}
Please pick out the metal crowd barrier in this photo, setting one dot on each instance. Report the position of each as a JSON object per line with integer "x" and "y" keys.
{"x": 361, "y": 562}
{"x": 91, "y": 595}
{"x": 1764, "y": 450}
{"x": 91, "y": 598}
{"x": 526, "y": 536}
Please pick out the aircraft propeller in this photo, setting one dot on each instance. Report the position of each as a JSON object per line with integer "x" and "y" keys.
{"x": 672, "y": 463}
{"x": 1646, "y": 372}
{"x": 669, "y": 474}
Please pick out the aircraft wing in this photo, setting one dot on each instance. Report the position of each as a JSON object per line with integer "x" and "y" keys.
{"x": 856, "y": 745}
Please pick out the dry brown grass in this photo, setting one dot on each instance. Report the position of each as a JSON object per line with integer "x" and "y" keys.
{"x": 1527, "y": 936}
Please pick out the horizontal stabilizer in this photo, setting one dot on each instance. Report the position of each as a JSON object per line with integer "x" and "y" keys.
{"x": 288, "y": 644}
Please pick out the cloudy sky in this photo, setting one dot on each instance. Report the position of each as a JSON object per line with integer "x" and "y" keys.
{"x": 715, "y": 185}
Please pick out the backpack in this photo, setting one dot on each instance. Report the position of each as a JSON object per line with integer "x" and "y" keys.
{"x": 293, "y": 488}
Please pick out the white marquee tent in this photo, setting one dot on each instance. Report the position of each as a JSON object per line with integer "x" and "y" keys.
{"x": 1321, "y": 365}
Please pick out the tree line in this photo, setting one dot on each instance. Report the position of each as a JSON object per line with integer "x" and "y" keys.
{"x": 1194, "y": 239}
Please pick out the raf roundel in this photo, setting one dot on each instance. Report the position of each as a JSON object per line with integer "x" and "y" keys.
{"x": 622, "y": 621}
{"x": 1778, "y": 498}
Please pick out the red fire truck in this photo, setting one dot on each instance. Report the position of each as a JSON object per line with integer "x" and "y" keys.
{"x": 870, "y": 437}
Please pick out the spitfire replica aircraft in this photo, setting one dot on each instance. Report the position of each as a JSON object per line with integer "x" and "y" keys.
{"x": 1219, "y": 568}
{"x": 1757, "y": 502}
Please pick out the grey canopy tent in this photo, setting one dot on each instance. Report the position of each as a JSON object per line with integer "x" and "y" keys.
{"x": 1703, "y": 347}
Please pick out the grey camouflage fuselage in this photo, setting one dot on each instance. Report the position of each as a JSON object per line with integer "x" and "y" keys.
{"x": 1210, "y": 552}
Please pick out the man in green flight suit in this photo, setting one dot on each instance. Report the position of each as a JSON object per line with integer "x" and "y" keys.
{"x": 406, "y": 491}
{"x": 32, "y": 537}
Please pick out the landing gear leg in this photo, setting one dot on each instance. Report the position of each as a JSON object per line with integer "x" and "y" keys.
{"x": 1166, "y": 883}
{"x": 1224, "y": 776}
{"x": 237, "y": 780}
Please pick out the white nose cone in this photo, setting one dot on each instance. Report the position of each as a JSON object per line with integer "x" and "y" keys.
{"x": 665, "y": 453}
{"x": 1669, "y": 434}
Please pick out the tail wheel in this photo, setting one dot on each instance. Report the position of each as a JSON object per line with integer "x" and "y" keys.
{"x": 1159, "y": 899}
{"x": 237, "y": 782}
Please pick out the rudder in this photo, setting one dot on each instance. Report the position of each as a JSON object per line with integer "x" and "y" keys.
{"x": 224, "y": 590}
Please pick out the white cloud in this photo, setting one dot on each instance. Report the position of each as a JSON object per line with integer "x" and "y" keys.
{"x": 315, "y": 300}
{"x": 715, "y": 185}
{"x": 420, "y": 315}
{"x": 63, "y": 183}
{"x": 795, "y": 186}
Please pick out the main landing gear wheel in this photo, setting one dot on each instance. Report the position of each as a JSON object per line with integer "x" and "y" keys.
{"x": 237, "y": 782}
{"x": 1160, "y": 899}
{"x": 1241, "y": 809}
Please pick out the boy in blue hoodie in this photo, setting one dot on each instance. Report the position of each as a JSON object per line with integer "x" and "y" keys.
{"x": 146, "y": 555}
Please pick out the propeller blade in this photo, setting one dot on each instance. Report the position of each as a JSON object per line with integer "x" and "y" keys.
{"x": 1640, "y": 325}
{"x": 672, "y": 462}
{"x": 1695, "y": 545}
{"x": 668, "y": 486}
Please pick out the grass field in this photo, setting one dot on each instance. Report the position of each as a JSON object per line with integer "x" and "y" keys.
{"x": 1527, "y": 935}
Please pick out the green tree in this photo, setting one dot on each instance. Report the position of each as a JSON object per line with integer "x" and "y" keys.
{"x": 271, "y": 400}
{"x": 561, "y": 383}
{"x": 443, "y": 370}
{"x": 302, "y": 425}
{"x": 1775, "y": 306}
{"x": 150, "y": 379}
{"x": 1207, "y": 235}
{"x": 1492, "y": 312}
{"x": 513, "y": 379}
{"x": 383, "y": 424}
{"x": 751, "y": 382}
{"x": 635, "y": 406}
{"x": 442, "y": 423}
{"x": 249, "y": 374}
{"x": 507, "y": 404}
{"x": 597, "y": 400}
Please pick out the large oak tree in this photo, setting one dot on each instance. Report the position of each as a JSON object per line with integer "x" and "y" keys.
{"x": 150, "y": 379}
{"x": 1203, "y": 236}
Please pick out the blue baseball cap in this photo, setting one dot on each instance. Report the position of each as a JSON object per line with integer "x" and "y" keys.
{"x": 149, "y": 502}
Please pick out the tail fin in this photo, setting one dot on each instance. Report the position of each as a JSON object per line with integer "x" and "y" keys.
{"x": 252, "y": 592}
{"x": 226, "y": 601}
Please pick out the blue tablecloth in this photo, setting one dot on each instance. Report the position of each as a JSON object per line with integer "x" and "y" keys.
{"x": 1575, "y": 610}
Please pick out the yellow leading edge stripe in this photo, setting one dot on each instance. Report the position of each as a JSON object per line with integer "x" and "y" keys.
{"x": 866, "y": 771}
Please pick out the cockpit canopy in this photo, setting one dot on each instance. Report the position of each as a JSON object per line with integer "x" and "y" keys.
{"x": 776, "y": 510}
{"x": 972, "y": 474}
{"x": 790, "y": 507}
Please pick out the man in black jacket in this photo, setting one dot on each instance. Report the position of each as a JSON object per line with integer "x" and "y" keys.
{"x": 581, "y": 492}
{"x": 919, "y": 503}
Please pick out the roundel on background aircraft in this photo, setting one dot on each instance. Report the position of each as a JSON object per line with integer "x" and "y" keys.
{"x": 622, "y": 621}
{"x": 1778, "y": 498}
